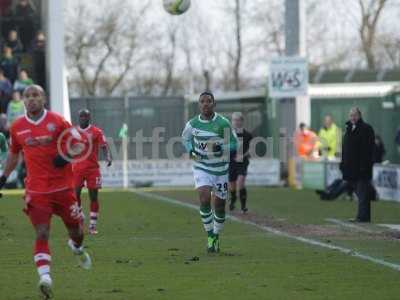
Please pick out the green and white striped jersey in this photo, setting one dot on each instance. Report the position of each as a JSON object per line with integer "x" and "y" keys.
{"x": 199, "y": 136}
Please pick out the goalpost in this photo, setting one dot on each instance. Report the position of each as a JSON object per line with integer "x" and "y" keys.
{"x": 55, "y": 58}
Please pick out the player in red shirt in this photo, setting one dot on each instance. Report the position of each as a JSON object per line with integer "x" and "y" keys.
{"x": 48, "y": 143}
{"x": 86, "y": 168}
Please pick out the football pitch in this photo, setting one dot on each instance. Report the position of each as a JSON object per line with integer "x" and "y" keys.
{"x": 150, "y": 246}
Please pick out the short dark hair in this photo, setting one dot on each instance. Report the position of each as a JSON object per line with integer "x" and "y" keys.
{"x": 207, "y": 93}
{"x": 84, "y": 111}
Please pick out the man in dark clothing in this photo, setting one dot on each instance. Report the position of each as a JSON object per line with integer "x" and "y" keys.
{"x": 5, "y": 91}
{"x": 39, "y": 58}
{"x": 239, "y": 162}
{"x": 397, "y": 139}
{"x": 357, "y": 161}
{"x": 26, "y": 17}
{"x": 14, "y": 42}
{"x": 379, "y": 150}
{"x": 9, "y": 63}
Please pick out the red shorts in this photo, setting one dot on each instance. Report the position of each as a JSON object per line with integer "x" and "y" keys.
{"x": 41, "y": 207}
{"x": 91, "y": 177}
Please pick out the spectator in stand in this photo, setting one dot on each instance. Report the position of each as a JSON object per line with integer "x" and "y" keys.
{"x": 5, "y": 90}
{"x": 5, "y": 6}
{"x": 13, "y": 42}
{"x": 5, "y": 84}
{"x": 39, "y": 58}
{"x": 7, "y": 21}
{"x": 23, "y": 81}
{"x": 3, "y": 149}
{"x": 25, "y": 15}
{"x": 3, "y": 125}
{"x": 15, "y": 108}
{"x": 9, "y": 63}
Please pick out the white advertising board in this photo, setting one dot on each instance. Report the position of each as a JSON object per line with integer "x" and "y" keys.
{"x": 179, "y": 173}
{"x": 288, "y": 77}
{"x": 387, "y": 181}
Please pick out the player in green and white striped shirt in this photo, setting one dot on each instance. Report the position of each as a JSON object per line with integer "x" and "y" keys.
{"x": 209, "y": 139}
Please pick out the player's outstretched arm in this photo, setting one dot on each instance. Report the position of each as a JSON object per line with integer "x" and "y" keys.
{"x": 11, "y": 164}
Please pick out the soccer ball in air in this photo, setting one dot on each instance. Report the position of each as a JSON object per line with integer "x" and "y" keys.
{"x": 176, "y": 7}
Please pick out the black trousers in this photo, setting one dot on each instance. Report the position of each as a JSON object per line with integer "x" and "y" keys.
{"x": 363, "y": 188}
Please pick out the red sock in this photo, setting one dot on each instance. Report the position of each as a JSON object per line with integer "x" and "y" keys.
{"x": 42, "y": 256}
{"x": 94, "y": 206}
{"x": 94, "y": 211}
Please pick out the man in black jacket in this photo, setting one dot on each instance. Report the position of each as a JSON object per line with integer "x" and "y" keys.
{"x": 357, "y": 161}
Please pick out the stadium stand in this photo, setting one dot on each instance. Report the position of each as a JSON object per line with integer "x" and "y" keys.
{"x": 22, "y": 48}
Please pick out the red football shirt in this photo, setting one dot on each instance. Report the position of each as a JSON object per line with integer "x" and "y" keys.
{"x": 93, "y": 138}
{"x": 40, "y": 141}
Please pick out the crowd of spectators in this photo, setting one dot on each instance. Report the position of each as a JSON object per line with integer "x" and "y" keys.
{"x": 22, "y": 56}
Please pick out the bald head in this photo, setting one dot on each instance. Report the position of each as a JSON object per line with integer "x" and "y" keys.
{"x": 33, "y": 88}
{"x": 328, "y": 120}
{"x": 34, "y": 99}
{"x": 237, "y": 120}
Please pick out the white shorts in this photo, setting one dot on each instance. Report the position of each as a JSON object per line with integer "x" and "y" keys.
{"x": 219, "y": 184}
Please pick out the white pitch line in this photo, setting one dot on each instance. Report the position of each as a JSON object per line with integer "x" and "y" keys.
{"x": 309, "y": 241}
{"x": 349, "y": 225}
{"x": 391, "y": 226}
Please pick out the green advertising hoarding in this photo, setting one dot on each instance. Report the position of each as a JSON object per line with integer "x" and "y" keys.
{"x": 313, "y": 175}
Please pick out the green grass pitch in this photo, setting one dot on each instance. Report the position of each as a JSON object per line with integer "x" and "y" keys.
{"x": 147, "y": 249}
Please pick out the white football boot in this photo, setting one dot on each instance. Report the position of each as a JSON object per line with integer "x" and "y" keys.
{"x": 44, "y": 286}
{"x": 82, "y": 256}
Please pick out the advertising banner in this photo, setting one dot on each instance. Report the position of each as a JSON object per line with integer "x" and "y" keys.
{"x": 387, "y": 181}
{"x": 288, "y": 77}
{"x": 262, "y": 172}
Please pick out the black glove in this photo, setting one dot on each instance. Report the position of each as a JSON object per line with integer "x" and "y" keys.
{"x": 3, "y": 180}
{"x": 59, "y": 161}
